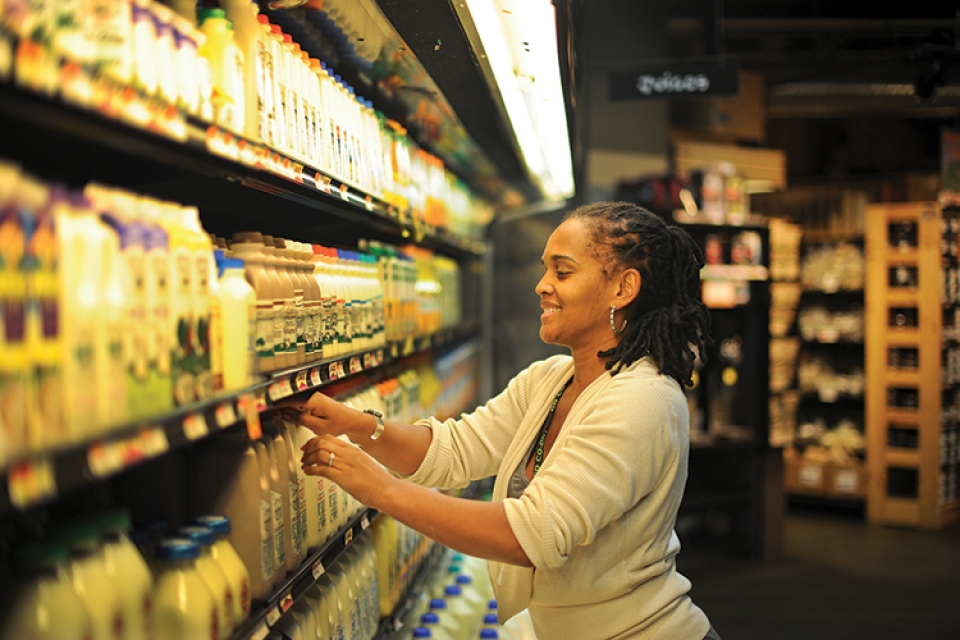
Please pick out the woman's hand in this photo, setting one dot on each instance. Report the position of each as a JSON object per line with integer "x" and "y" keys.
{"x": 344, "y": 463}
{"x": 322, "y": 415}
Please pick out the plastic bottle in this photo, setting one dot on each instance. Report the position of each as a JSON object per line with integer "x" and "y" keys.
{"x": 248, "y": 35}
{"x": 232, "y": 482}
{"x": 45, "y": 418}
{"x": 201, "y": 253}
{"x": 249, "y": 247}
{"x": 179, "y": 282}
{"x": 216, "y": 321}
{"x": 127, "y": 567}
{"x": 347, "y": 596}
{"x": 213, "y": 576}
{"x": 46, "y": 605}
{"x": 183, "y": 606}
{"x": 325, "y": 602}
{"x": 297, "y": 490}
{"x": 226, "y": 68}
{"x": 279, "y": 505}
{"x": 230, "y": 563}
{"x": 14, "y": 367}
{"x": 284, "y": 320}
{"x": 286, "y": 262}
{"x": 288, "y": 628}
{"x": 187, "y": 56}
{"x": 168, "y": 86}
{"x": 435, "y": 624}
{"x": 91, "y": 582}
{"x": 81, "y": 273}
{"x": 238, "y": 304}
{"x": 447, "y": 620}
{"x": 160, "y": 330}
{"x": 316, "y": 522}
{"x": 305, "y": 618}
{"x": 118, "y": 211}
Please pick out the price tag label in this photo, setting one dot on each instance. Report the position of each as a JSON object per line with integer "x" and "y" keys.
{"x": 273, "y": 614}
{"x": 333, "y": 370}
{"x": 316, "y": 379}
{"x": 248, "y": 407}
{"x": 322, "y": 182}
{"x": 280, "y": 389}
{"x": 368, "y": 203}
{"x": 154, "y": 441}
{"x": 355, "y": 365}
{"x": 285, "y": 602}
{"x": 225, "y": 415}
{"x": 344, "y": 192}
{"x": 104, "y": 459}
{"x": 301, "y": 381}
{"x": 364, "y": 522}
{"x": 379, "y": 357}
{"x": 30, "y": 482}
{"x": 348, "y": 537}
{"x": 195, "y": 427}
{"x": 317, "y": 570}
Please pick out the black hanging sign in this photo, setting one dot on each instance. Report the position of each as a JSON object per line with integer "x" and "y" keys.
{"x": 676, "y": 81}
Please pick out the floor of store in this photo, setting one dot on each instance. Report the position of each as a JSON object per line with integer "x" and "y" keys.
{"x": 838, "y": 577}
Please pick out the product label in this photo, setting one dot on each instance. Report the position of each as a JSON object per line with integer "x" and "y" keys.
{"x": 267, "y": 554}
{"x": 302, "y": 510}
{"x": 321, "y": 505}
{"x": 279, "y": 531}
{"x": 264, "y": 340}
{"x": 333, "y": 502}
{"x": 295, "y": 521}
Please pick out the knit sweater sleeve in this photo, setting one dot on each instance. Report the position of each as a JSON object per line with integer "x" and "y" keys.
{"x": 472, "y": 446}
{"x": 616, "y": 451}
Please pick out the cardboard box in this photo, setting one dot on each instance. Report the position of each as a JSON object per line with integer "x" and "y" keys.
{"x": 846, "y": 480}
{"x": 804, "y": 474}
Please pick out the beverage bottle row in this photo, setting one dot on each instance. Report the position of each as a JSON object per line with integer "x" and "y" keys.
{"x": 105, "y": 307}
{"x": 88, "y": 580}
{"x": 312, "y": 302}
{"x": 230, "y": 65}
{"x": 341, "y": 605}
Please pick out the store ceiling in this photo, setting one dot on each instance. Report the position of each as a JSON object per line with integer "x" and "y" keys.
{"x": 819, "y": 58}
{"x": 829, "y": 58}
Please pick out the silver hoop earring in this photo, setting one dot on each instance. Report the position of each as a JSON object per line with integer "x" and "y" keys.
{"x": 613, "y": 324}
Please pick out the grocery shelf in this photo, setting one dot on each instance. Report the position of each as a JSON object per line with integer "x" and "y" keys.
{"x": 391, "y": 624}
{"x": 201, "y": 165}
{"x": 265, "y": 614}
{"x": 43, "y": 477}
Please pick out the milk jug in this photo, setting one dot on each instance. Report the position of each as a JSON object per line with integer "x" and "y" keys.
{"x": 91, "y": 582}
{"x": 46, "y": 606}
{"x": 238, "y": 309}
{"x": 233, "y": 567}
{"x": 183, "y": 606}
{"x": 232, "y": 482}
{"x": 130, "y": 571}
{"x": 213, "y": 576}
{"x": 249, "y": 248}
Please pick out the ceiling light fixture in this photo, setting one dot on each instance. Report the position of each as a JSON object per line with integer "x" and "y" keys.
{"x": 518, "y": 50}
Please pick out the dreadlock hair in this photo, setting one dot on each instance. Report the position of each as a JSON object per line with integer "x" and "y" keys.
{"x": 667, "y": 317}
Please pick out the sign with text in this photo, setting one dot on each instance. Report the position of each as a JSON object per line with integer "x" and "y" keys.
{"x": 676, "y": 81}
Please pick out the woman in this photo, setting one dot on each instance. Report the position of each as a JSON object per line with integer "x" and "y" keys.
{"x": 589, "y": 450}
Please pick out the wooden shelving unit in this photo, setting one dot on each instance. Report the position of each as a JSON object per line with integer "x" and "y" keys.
{"x": 912, "y": 410}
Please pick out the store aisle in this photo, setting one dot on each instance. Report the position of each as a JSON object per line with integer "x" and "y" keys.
{"x": 838, "y": 578}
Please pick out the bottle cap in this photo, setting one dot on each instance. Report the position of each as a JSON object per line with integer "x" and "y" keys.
{"x": 208, "y": 13}
{"x": 492, "y": 604}
{"x": 490, "y": 618}
{"x": 452, "y": 590}
{"x": 177, "y": 549}
{"x": 430, "y": 618}
{"x": 422, "y": 632}
{"x": 438, "y": 603}
{"x": 464, "y": 579}
{"x": 218, "y": 524}
{"x": 489, "y": 633}
{"x": 203, "y": 536}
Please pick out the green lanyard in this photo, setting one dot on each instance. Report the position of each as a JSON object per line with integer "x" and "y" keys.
{"x": 538, "y": 454}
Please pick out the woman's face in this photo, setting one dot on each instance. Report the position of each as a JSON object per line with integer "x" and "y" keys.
{"x": 574, "y": 292}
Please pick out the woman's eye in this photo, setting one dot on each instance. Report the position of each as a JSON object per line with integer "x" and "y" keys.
{"x": 562, "y": 274}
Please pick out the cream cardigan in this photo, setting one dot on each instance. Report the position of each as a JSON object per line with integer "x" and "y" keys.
{"x": 597, "y": 521}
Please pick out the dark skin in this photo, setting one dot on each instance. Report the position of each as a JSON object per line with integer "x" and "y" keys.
{"x": 576, "y": 294}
